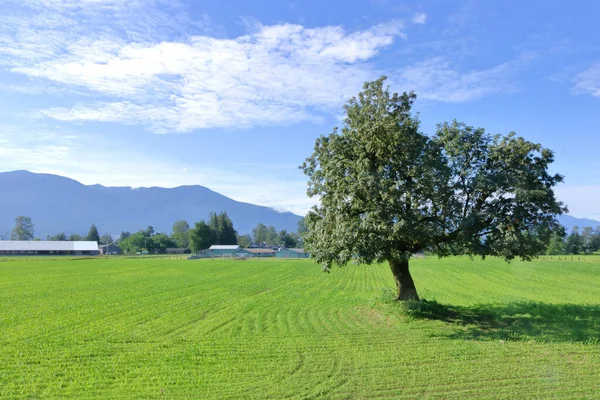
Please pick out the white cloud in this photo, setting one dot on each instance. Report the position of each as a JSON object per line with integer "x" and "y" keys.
{"x": 439, "y": 79}
{"x": 588, "y": 81}
{"x": 164, "y": 73}
{"x": 419, "y": 18}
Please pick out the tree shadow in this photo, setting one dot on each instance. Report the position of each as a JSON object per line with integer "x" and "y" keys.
{"x": 522, "y": 321}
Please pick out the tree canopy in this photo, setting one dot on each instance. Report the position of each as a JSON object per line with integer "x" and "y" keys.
{"x": 93, "y": 234}
{"x": 23, "y": 229}
{"x": 181, "y": 233}
{"x": 388, "y": 191}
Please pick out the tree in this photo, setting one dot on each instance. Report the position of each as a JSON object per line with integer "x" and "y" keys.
{"x": 260, "y": 234}
{"x": 23, "y": 229}
{"x": 285, "y": 239}
{"x": 388, "y": 191}
{"x": 595, "y": 240}
{"x": 181, "y": 233}
{"x": 587, "y": 234}
{"x": 244, "y": 240}
{"x": 200, "y": 237}
{"x": 135, "y": 242}
{"x": 124, "y": 235}
{"x": 58, "y": 237}
{"x": 556, "y": 246}
{"x": 301, "y": 231}
{"x": 161, "y": 242}
{"x": 75, "y": 237}
{"x": 106, "y": 238}
{"x": 574, "y": 243}
{"x": 149, "y": 231}
{"x": 93, "y": 235}
{"x": 227, "y": 234}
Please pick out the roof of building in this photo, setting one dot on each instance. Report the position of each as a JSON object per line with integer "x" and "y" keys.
{"x": 260, "y": 250}
{"x": 295, "y": 250}
{"x": 47, "y": 245}
{"x": 224, "y": 247}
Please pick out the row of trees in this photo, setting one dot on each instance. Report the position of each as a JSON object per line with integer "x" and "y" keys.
{"x": 584, "y": 241}
{"x": 218, "y": 229}
{"x": 24, "y": 229}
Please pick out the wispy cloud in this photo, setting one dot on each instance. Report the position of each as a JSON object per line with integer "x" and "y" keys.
{"x": 419, "y": 18}
{"x": 146, "y": 62}
{"x": 588, "y": 81}
{"x": 439, "y": 79}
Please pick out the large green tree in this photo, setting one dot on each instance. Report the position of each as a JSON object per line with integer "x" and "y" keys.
{"x": 201, "y": 237}
{"x": 388, "y": 191}
{"x": 23, "y": 229}
{"x": 181, "y": 233}
{"x": 93, "y": 234}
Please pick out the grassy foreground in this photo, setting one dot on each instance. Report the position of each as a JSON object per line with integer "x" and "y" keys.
{"x": 173, "y": 329}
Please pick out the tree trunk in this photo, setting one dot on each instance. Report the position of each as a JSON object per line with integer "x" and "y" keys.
{"x": 404, "y": 282}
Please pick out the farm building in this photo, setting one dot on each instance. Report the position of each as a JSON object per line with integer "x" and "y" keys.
{"x": 177, "y": 250}
{"x": 22, "y": 248}
{"x": 110, "y": 249}
{"x": 220, "y": 250}
{"x": 261, "y": 252}
{"x": 292, "y": 253}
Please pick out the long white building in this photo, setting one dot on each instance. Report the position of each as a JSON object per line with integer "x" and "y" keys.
{"x": 40, "y": 247}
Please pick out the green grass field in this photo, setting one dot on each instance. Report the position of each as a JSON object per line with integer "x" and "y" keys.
{"x": 174, "y": 329}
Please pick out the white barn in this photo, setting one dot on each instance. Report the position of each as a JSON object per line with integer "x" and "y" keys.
{"x": 40, "y": 247}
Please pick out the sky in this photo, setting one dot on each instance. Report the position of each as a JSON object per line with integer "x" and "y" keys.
{"x": 232, "y": 94}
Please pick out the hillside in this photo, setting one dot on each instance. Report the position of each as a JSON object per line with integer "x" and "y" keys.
{"x": 58, "y": 204}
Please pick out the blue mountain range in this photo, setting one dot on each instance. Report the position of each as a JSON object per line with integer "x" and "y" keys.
{"x": 57, "y": 204}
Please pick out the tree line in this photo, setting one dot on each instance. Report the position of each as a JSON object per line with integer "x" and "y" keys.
{"x": 579, "y": 241}
{"x": 218, "y": 229}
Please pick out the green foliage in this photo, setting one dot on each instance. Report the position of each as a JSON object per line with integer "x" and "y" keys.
{"x": 140, "y": 241}
{"x": 93, "y": 234}
{"x": 75, "y": 237}
{"x": 124, "y": 235}
{"x": 181, "y": 233}
{"x": 277, "y": 329}
{"x": 575, "y": 243}
{"x": 244, "y": 241}
{"x": 270, "y": 237}
{"x": 201, "y": 237}
{"x": 387, "y": 190}
{"x": 260, "y": 234}
{"x": 23, "y": 229}
{"x": 222, "y": 229}
{"x": 59, "y": 237}
{"x": 106, "y": 238}
{"x": 161, "y": 242}
{"x": 556, "y": 245}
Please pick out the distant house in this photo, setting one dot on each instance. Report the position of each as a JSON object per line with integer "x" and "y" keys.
{"x": 22, "y": 248}
{"x": 292, "y": 253}
{"x": 177, "y": 250}
{"x": 262, "y": 252}
{"x": 110, "y": 249}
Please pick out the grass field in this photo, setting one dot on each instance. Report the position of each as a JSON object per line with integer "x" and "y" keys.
{"x": 174, "y": 329}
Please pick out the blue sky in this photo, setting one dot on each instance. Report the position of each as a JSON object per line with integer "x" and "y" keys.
{"x": 232, "y": 94}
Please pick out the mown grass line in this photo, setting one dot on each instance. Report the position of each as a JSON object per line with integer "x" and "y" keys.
{"x": 159, "y": 328}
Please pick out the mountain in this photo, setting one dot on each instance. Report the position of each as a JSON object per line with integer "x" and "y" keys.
{"x": 569, "y": 222}
{"x": 58, "y": 204}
